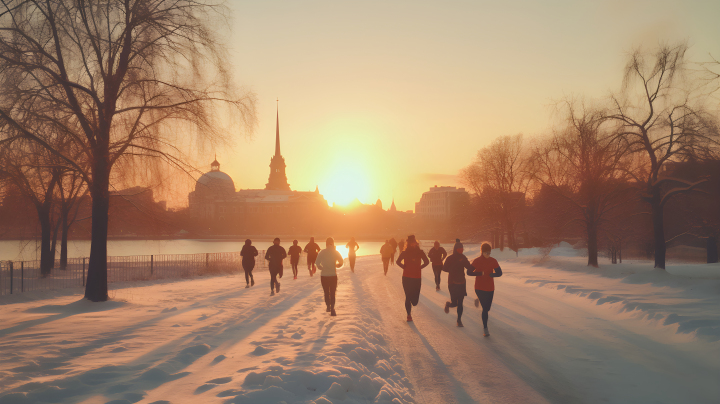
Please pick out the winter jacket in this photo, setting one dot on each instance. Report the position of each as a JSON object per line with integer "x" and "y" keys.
{"x": 275, "y": 254}
{"x": 412, "y": 261}
{"x": 248, "y": 253}
{"x": 455, "y": 266}
{"x": 312, "y": 249}
{"x": 437, "y": 255}
{"x": 327, "y": 260}
{"x": 486, "y": 269}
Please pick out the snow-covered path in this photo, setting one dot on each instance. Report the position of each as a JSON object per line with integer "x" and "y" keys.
{"x": 210, "y": 340}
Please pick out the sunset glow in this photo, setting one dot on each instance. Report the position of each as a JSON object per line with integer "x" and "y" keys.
{"x": 347, "y": 182}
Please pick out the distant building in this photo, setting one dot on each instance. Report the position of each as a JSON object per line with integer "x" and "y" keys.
{"x": 441, "y": 203}
{"x": 274, "y": 210}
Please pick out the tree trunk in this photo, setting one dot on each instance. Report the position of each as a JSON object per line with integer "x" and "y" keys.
{"x": 96, "y": 286}
{"x": 63, "y": 239}
{"x": 592, "y": 243}
{"x": 53, "y": 244}
{"x": 712, "y": 250}
{"x": 658, "y": 230}
{"x": 46, "y": 235}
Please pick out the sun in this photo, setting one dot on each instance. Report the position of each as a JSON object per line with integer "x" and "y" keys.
{"x": 345, "y": 184}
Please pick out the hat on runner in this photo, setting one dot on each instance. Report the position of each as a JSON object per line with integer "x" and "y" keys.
{"x": 458, "y": 244}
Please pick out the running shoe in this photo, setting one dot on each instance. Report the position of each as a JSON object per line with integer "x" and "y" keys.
{"x": 295, "y": 277}
{"x": 437, "y": 287}
{"x": 460, "y": 324}
{"x": 447, "y": 307}
{"x": 252, "y": 282}
{"x": 486, "y": 333}
{"x": 332, "y": 313}
{"x": 277, "y": 287}
{"x": 477, "y": 302}
{"x": 409, "y": 319}
{"x": 272, "y": 293}
{"x": 327, "y": 309}
{"x": 247, "y": 286}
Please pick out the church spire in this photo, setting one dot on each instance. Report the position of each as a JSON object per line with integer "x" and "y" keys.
{"x": 277, "y": 129}
{"x": 277, "y": 179}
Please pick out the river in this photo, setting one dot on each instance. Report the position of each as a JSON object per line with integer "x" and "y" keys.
{"x": 16, "y": 250}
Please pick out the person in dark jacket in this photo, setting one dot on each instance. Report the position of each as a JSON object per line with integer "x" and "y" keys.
{"x": 275, "y": 255}
{"x": 401, "y": 246}
{"x": 386, "y": 253}
{"x": 412, "y": 261}
{"x": 294, "y": 252}
{"x": 248, "y": 254}
{"x": 455, "y": 266}
{"x": 393, "y": 243}
{"x": 312, "y": 250}
{"x": 437, "y": 255}
{"x": 486, "y": 270}
{"x": 352, "y": 246}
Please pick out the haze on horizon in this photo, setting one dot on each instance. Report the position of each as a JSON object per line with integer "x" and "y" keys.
{"x": 386, "y": 99}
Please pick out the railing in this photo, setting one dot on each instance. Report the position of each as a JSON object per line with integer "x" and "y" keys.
{"x": 25, "y": 276}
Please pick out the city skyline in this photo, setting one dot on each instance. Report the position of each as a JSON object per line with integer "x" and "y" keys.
{"x": 425, "y": 86}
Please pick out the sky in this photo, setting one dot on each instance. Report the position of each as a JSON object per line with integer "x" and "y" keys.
{"x": 384, "y": 99}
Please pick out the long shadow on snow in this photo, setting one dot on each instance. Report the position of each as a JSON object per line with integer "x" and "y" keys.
{"x": 118, "y": 379}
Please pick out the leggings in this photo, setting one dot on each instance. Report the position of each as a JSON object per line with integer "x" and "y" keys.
{"x": 386, "y": 263}
{"x": 486, "y": 299}
{"x": 273, "y": 279}
{"x": 437, "y": 270}
{"x": 412, "y": 292}
{"x": 329, "y": 285}
{"x": 248, "y": 268}
{"x": 351, "y": 258}
{"x": 294, "y": 264}
{"x": 457, "y": 295}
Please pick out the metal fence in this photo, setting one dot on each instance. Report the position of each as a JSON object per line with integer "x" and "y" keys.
{"x": 25, "y": 276}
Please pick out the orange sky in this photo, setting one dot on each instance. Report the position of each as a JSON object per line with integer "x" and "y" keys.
{"x": 387, "y": 98}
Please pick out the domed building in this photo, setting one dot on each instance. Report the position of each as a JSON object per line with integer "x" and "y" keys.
{"x": 274, "y": 210}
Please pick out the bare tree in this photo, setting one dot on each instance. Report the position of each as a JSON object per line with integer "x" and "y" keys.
{"x": 137, "y": 77}
{"x": 27, "y": 166}
{"x": 656, "y": 118}
{"x": 500, "y": 176}
{"x": 585, "y": 167}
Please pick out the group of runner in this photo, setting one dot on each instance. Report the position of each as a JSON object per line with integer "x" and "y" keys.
{"x": 412, "y": 260}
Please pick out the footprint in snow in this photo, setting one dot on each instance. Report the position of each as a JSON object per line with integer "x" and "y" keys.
{"x": 260, "y": 350}
{"x": 176, "y": 325}
{"x": 166, "y": 310}
{"x": 220, "y": 380}
{"x": 203, "y": 317}
{"x": 218, "y": 359}
{"x": 297, "y": 335}
{"x": 119, "y": 349}
{"x": 204, "y": 388}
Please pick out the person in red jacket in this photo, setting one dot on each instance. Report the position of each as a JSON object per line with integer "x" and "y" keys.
{"x": 412, "y": 261}
{"x": 486, "y": 270}
{"x": 294, "y": 252}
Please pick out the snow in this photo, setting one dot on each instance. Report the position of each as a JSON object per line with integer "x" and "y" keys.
{"x": 561, "y": 333}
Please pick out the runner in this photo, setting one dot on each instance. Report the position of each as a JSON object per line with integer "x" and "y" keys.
{"x": 486, "y": 268}
{"x": 455, "y": 266}
{"x": 327, "y": 261}
{"x": 311, "y": 249}
{"x": 401, "y": 246}
{"x": 394, "y": 244}
{"x": 437, "y": 255}
{"x": 412, "y": 261}
{"x": 386, "y": 253}
{"x": 352, "y": 246}
{"x": 248, "y": 254}
{"x": 294, "y": 252}
{"x": 275, "y": 255}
